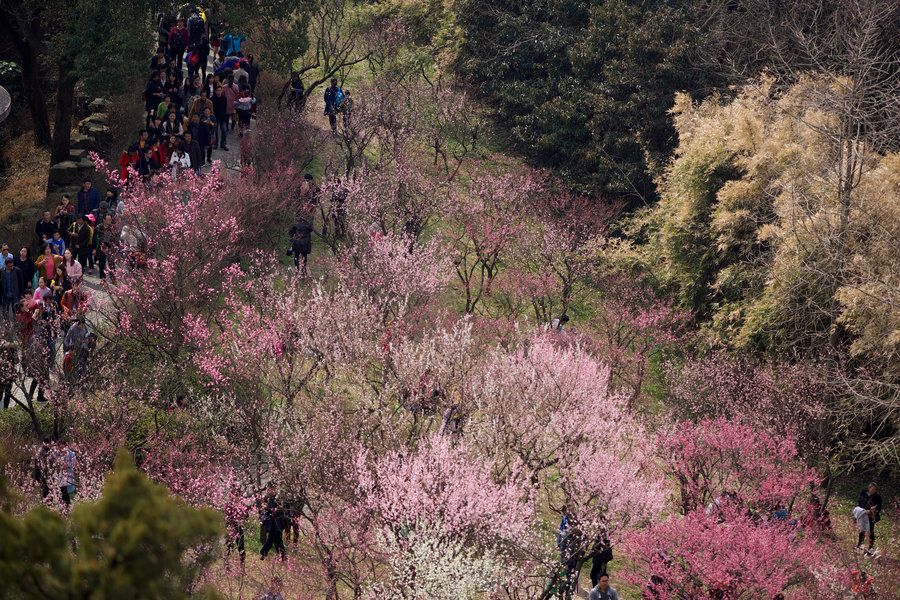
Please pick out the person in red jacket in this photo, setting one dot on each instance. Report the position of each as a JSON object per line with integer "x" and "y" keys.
{"x": 158, "y": 151}
{"x": 178, "y": 42}
{"x": 130, "y": 158}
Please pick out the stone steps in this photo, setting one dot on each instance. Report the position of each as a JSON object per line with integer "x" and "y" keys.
{"x": 82, "y": 142}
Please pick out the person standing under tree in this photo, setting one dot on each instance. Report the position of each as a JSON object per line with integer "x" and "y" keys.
{"x": 9, "y": 355}
{"x": 236, "y": 514}
{"x": 43, "y": 465}
{"x": 601, "y": 555}
{"x": 301, "y": 243}
{"x": 333, "y": 98}
{"x": 273, "y": 521}
{"x": 869, "y": 501}
{"x": 65, "y": 460}
{"x": 274, "y": 592}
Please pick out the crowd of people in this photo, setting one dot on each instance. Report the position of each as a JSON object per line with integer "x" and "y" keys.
{"x": 189, "y": 115}
{"x": 44, "y": 296}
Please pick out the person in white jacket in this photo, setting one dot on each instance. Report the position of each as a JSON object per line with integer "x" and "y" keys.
{"x": 180, "y": 160}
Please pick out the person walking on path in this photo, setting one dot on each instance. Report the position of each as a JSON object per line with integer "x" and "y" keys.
{"x": 12, "y": 288}
{"x": 44, "y": 229}
{"x": 76, "y": 343}
{"x": 178, "y": 42}
{"x": 46, "y": 265}
{"x": 81, "y": 239}
{"x": 869, "y": 501}
{"x": 194, "y": 151}
{"x": 24, "y": 263}
{"x": 88, "y": 197}
{"x": 220, "y": 112}
{"x": 154, "y": 95}
{"x": 231, "y": 92}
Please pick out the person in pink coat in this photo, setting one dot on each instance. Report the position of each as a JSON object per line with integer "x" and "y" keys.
{"x": 231, "y": 91}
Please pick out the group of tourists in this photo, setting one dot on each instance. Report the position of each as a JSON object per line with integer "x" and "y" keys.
{"x": 44, "y": 296}
{"x": 571, "y": 545}
{"x": 188, "y": 116}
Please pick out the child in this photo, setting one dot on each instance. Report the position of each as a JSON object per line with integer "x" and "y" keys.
{"x": 57, "y": 245}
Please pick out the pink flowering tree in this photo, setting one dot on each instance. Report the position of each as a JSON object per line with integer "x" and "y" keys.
{"x": 734, "y": 465}
{"x": 561, "y": 246}
{"x": 786, "y": 398}
{"x": 549, "y": 408}
{"x": 485, "y": 226}
{"x": 630, "y": 329}
{"x": 697, "y": 556}
{"x": 444, "y": 502}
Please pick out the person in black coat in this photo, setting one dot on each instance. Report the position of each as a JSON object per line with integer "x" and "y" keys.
{"x": 200, "y": 133}
{"x": 301, "y": 242}
{"x": 24, "y": 263}
{"x": 45, "y": 228}
{"x": 252, "y": 71}
{"x": 154, "y": 95}
{"x": 273, "y": 520}
{"x": 869, "y": 499}
{"x": 601, "y": 555}
{"x": 193, "y": 149}
{"x": 12, "y": 287}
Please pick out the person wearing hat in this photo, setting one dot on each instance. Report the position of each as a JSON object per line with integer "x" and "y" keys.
{"x": 101, "y": 212}
{"x": 88, "y": 197}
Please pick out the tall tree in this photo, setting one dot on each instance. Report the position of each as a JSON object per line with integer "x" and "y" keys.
{"x": 590, "y": 101}
{"x": 63, "y": 43}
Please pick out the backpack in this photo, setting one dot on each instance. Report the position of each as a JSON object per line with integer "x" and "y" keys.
{"x": 195, "y": 27}
{"x": 193, "y": 58}
{"x": 178, "y": 42}
{"x": 338, "y": 98}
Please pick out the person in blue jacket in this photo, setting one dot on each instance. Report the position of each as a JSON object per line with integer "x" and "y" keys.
{"x": 333, "y": 98}
{"x": 88, "y": 197}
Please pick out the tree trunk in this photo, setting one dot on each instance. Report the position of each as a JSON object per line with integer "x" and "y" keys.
{"x": 65, "y": 108}
{"x": 34, "y": 96}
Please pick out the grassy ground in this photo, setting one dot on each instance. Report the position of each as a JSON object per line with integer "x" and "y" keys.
{"x": 23, "y": 188}
{"x": 886, "y": 562}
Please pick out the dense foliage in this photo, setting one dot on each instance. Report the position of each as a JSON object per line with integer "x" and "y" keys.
{"x": 589, "y": 101}
{"x": 487, "y": 374}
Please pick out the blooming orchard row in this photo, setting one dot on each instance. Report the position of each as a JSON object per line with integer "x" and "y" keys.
{"x": 409, "y": 398}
